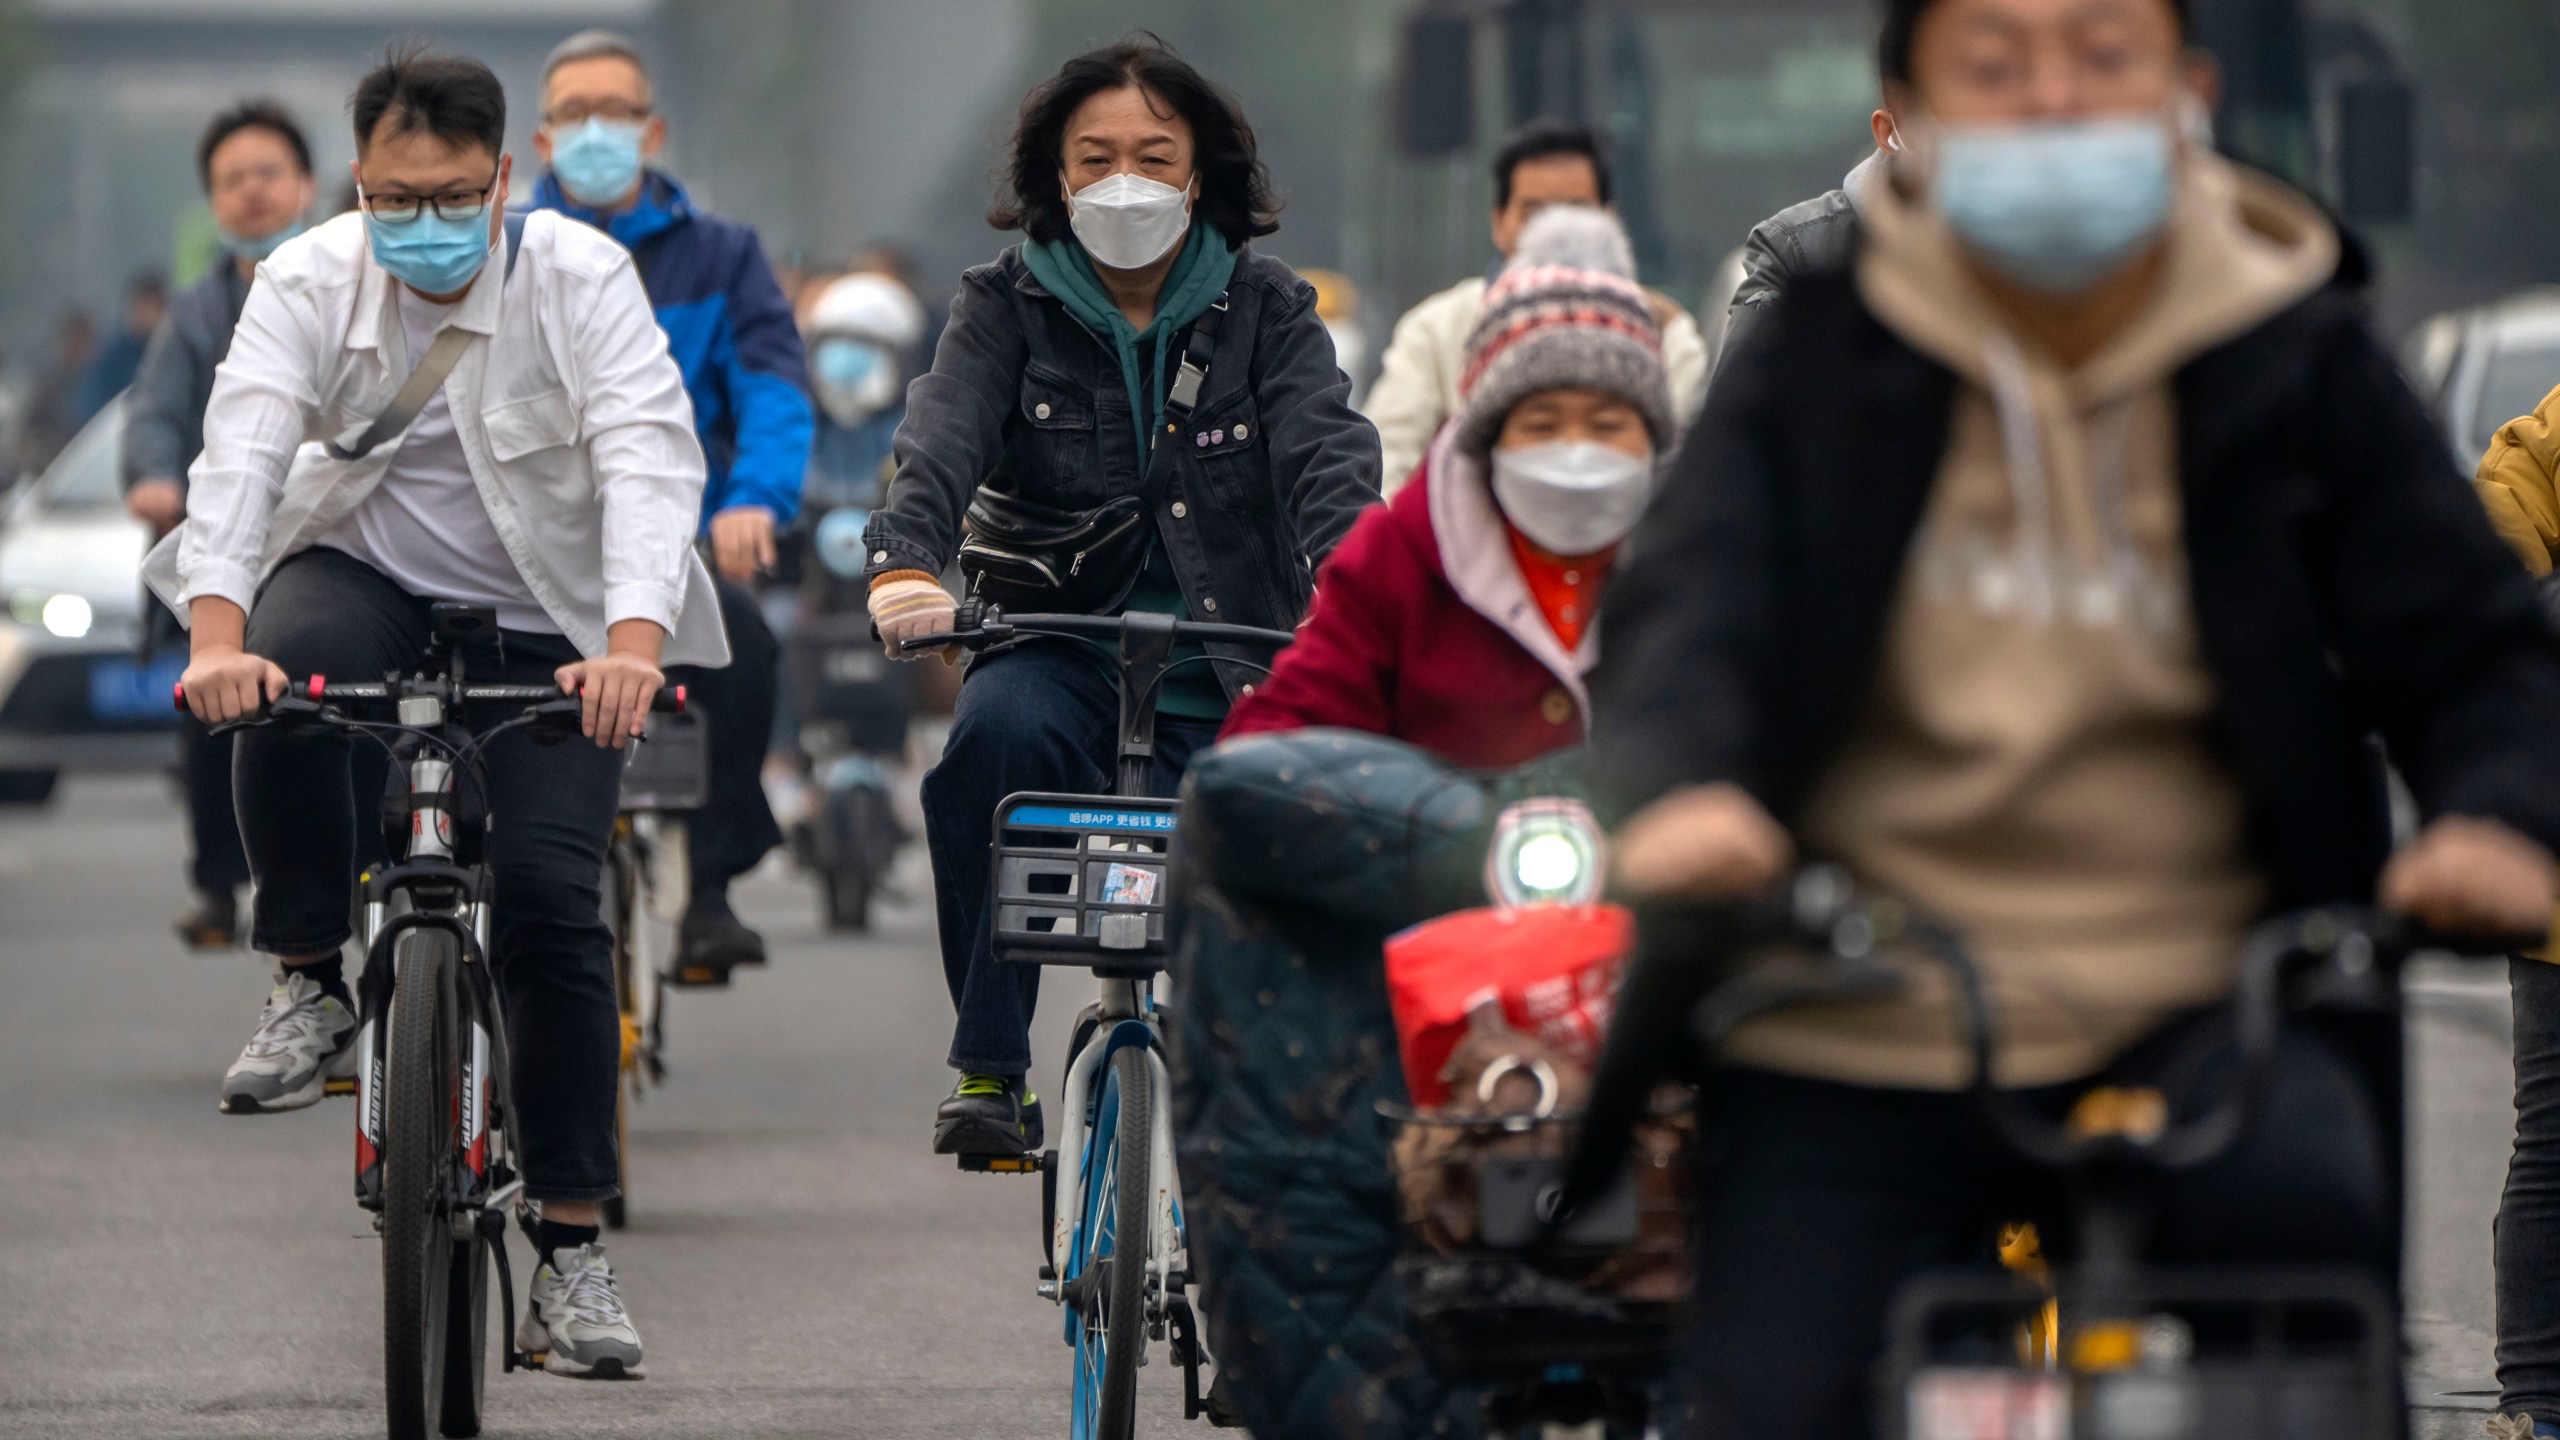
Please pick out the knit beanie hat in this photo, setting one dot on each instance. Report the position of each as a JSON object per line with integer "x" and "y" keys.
{"x": 1566, "y": 311}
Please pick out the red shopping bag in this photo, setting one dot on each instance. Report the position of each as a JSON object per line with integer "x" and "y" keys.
{"x": 1553, "y": 970}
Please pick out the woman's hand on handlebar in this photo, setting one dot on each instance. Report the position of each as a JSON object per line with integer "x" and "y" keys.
{"x": 2466, "y": 877}
{"x": 615, "y": 688}
{"x": 1701, "y": 842}
{"x": 905, "y": 607}
{"x": 226, "y": 683}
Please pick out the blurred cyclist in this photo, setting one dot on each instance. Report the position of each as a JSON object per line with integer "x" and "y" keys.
{"x": 256, "y": 169}
{"x": 1545, "y": 162}
{"x": 731, "y": 332}
{"x": 863, "y": 334}
{"x": 553, "y": 476}
{"x": 1461, "y": 615}
{"x": 2052, "y": 566}
{"x": 1136, "y": 183}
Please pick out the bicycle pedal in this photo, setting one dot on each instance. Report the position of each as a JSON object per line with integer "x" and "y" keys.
{"x": 338, "y": 1086}
{"x": 1000, "y": 1164}
{"x": 699, "y": 977}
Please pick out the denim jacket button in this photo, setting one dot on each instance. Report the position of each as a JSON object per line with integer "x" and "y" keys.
{"x": 1209, "y": 603}
{"x": 1041, "y": 410}
{"x": 1180, "y": 509}
{"x": 1240, "y": 432}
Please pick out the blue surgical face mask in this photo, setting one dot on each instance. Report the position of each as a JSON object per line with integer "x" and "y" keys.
{"x": 430, "y": 254}
{"x": 260, "y": 247}
{"x": 854, "y": 380}
{"x": 597, "y": 162}
{"x": 2057, "y": 205}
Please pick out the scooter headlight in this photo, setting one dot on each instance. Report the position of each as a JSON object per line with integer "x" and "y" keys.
{"x": 839, "y": 541}
{"x": 1546, "y": 851}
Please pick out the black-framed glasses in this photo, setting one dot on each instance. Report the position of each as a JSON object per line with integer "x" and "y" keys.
{"x": 452, "y": 205}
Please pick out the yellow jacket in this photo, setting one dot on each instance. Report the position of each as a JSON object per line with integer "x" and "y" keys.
{"x": 2519, "y": 481}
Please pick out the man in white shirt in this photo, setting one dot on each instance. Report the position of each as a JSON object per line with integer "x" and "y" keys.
{"x": 1544, "y": 163}
{"x": 554, "y": 476}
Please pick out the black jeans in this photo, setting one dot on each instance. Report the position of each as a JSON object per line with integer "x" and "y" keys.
{"x": 217, "y": 865}
{"x": 1036, "y": 717}
{"x": 305, "y": 801}
{"x": 1818, "y": 1201}
{"x": 2528, "y": 1231}
{"x": 735, "y": 826}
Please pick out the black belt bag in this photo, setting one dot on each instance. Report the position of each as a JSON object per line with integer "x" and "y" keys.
{"x": 1029, "y": 557}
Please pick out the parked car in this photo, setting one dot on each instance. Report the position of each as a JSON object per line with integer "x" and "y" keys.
{"x": 75, "y": 693}
{"x": 2483, "y": 367}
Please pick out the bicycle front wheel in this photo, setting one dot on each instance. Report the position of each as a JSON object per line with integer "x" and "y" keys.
{"x": 1111, "y": 1288}
{"x": 421, "y": 1123}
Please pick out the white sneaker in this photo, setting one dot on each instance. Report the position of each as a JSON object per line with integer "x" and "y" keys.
{"x": 305, "y": 1037}
{"x": 574, "y": 1322}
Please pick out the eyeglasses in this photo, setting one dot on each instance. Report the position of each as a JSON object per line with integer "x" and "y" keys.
{"x": 579, "y": 113}
{"x": 452, "y": 205}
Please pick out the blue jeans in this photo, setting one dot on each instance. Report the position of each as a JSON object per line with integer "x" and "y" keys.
{"x": 1041, "y": 716}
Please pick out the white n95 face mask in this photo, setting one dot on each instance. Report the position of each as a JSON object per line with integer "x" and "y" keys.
{"x": 1128, "y": 221}
{"x": 1572, "y": 497}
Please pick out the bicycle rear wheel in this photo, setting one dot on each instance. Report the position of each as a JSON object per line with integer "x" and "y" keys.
{"x": 1111, "y": 1286}
{"x": 420, "y": 1256}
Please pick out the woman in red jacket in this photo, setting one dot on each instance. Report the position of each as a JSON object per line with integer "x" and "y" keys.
{"x": 1459, "y": 615}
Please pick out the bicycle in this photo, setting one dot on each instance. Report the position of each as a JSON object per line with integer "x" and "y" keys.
{"x": 435, "y": 1153}
{"x": 647, "y": 885}
{"x": 2110, "y": 1345}
{"x": 1082, "y": 880}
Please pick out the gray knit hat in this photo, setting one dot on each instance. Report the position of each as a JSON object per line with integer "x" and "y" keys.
{"x": 1565, "y": 312}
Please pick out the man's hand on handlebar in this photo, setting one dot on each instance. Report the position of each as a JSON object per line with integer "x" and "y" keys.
{"x": 905, "y": 608}
{"x": 223, "y": 682}
{"x": 2468, "y": 877}
{"x": 1701, "y": 842}
{"x": 227, "y": 684}
{"x": 617, "y": 686}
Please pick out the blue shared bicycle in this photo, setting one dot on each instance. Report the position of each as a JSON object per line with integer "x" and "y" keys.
{"x": 1083, "y": 880}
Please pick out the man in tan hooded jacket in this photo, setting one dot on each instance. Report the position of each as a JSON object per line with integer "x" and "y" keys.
{"x": 2051, "y": 567}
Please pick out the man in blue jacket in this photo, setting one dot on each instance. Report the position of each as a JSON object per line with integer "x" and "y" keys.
{"x": 733, "y": 334}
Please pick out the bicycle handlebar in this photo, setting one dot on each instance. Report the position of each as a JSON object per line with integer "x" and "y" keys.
{"x": 1840, "y": 933}
{"x": 989, "y": 625}
{"x": 320, "y": 690}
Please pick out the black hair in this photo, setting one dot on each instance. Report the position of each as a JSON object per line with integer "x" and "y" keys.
{"x": 1539, "y": 139}
{"x": 1235, "y": 189}
{"x": 452, "y": 97}
{"x": 1902, "y": 17}
{"x": 250, "y": 115}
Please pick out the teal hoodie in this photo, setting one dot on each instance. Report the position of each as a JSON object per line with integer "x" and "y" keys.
{"x": 1199, "y": 276}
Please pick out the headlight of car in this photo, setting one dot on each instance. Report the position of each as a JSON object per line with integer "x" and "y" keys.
{"x": 62, "y": 614}
{"x": 1546, "y": 851}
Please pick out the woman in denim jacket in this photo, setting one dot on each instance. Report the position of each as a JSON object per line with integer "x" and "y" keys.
{"x": 1136, "y": 185}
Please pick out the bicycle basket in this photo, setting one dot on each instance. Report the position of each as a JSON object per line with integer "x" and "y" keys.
{"x": 669, "y": 769}
{"x": 1491, "y": 1292}
{"x": 1082, "y": 880}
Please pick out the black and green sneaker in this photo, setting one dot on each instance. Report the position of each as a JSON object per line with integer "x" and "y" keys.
{"x": 988, "y": 1115}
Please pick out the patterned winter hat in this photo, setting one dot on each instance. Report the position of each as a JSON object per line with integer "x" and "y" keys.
{"x": 1564, "y": 312}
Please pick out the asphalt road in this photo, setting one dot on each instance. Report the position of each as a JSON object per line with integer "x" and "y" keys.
{"x": 797, "y": 1262}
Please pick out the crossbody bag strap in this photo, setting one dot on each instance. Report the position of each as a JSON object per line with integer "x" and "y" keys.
{"x": 1183, "y": 395}
{"x": 431, "y": 369}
